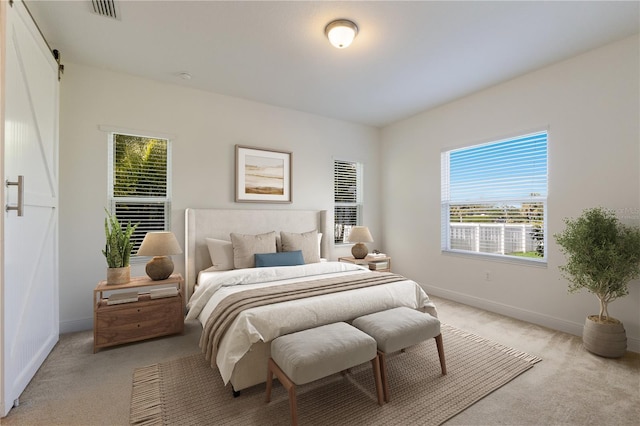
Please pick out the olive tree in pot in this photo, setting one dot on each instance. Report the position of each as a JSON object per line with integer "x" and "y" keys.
{"x": 603, "y": 255}
{"x": 117, "y": 249}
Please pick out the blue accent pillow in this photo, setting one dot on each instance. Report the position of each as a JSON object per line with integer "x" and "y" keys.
{"x": 285, "y": 258}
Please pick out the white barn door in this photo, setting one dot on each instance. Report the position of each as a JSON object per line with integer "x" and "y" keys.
{"x": 30, "y": 323}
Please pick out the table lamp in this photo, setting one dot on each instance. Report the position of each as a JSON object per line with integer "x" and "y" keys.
{"x": 360, "y": 235}
{"x": 160, "y": 245}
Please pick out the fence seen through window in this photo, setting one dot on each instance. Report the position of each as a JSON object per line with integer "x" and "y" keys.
{"x": 493, "y": 197}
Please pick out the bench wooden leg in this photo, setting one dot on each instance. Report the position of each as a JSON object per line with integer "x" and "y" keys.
{"x": 383, "y": 366}
{"x": 375, "y": 363}
{"x": 440, "y": 345}
{"x": 269, "y": 380}
{"x": 293, "y": 405}
{"x": 273, "y": 368}
{"x": 383, "y": 375}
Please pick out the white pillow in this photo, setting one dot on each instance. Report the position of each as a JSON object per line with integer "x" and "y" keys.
{"x": 307, "y": 242}
{"x": 221, "y": 253}
{"x": 246, "y": 246}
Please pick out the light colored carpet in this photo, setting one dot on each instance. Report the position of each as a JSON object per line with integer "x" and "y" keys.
{"x": 571, "y": 387}
{"x": 187, "y": 391}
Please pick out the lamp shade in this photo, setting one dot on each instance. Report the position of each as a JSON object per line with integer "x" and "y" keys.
{"x": 341, "y": 32}
{"x": 360, "y": 234}
{"x": 162, "y": 243}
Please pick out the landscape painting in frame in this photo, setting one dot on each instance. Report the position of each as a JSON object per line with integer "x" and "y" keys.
{"x": 262, "y": 175}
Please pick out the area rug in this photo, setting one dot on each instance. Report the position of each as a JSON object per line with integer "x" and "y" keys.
{"x": 187, "y": 391}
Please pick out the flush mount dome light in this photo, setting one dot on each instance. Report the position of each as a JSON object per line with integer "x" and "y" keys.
{"x": 341, "y": 32}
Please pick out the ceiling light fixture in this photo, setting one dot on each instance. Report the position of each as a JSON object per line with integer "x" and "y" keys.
{"x": 341, "y": 32}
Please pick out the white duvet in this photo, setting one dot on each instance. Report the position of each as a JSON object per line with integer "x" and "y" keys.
{"x": 265, "y": 323}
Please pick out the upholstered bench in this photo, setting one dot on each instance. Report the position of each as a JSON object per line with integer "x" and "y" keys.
{"x": 397, "y": 329}
{"x": 312, "y": 354}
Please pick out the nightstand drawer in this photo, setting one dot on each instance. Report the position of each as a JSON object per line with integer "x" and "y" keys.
{"x": 142, "y": 320}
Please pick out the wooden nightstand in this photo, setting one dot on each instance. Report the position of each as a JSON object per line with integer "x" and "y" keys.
{"x": 133, "y": 321}
{"x": 375, "y": 263}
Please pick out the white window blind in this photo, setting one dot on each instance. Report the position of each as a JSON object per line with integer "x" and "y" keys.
{"x": 494, "y": 197}
{"x": 347, "y": 177}
{"x": 139, "y": 183}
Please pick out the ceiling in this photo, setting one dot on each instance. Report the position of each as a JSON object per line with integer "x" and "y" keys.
{"x": 408, "y": 56}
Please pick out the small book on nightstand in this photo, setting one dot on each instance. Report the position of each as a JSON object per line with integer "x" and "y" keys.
{"x": 376, "y": 255}
{"x": 163, "y": 292}
{"x": 117, "y": 298}
{"x": 374, "y": 266}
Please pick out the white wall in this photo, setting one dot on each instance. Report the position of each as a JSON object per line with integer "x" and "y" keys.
{"x": 207, "y": 127}
{"x": 590, "y": 105}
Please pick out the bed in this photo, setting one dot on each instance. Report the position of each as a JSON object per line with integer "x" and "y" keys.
{"x": 242, "y": 309}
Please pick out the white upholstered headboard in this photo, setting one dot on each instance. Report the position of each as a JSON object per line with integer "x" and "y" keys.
{"x": 219, "y": 223}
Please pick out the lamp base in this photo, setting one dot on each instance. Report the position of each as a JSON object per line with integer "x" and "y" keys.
{"x": 159, "y": 268}
{"x": 359, "y": 251}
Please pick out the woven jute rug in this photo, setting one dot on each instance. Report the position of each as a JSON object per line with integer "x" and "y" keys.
{"x": 187, "y": 391}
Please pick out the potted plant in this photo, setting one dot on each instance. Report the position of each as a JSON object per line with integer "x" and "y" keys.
{"x": 117, "y": 249}
{"x": 603, "y": 255}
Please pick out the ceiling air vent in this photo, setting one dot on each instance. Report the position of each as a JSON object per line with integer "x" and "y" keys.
{"x": 106, "y": 8}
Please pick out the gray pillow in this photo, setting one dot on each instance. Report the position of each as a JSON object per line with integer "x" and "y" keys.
{"x": 246, "y": 246}
{"x": 307, "y": 242}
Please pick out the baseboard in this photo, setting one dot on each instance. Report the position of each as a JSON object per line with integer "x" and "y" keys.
{"x": 76, "y": 325}
{"x": 633, "y": 343}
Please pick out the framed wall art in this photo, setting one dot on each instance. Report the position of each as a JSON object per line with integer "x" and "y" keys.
{"x": 263, "y": 175}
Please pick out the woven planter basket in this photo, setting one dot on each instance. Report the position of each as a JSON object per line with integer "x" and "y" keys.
{"x": 118, "y": 275}
{"x": 605, "y": 339}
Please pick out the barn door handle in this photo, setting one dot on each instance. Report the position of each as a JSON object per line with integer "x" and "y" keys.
{"x": 20, "y": 206}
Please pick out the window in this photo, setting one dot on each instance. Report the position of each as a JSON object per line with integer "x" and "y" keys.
{"x": 347, "y": 178}
{"x": 139, "y": 189}
{"x": 494, "y": 198}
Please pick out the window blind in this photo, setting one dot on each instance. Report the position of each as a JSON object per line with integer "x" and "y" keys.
{"x": 347, "y": 177}
{"x": 493, "y": 197}
{"x": 139, "y": 183}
